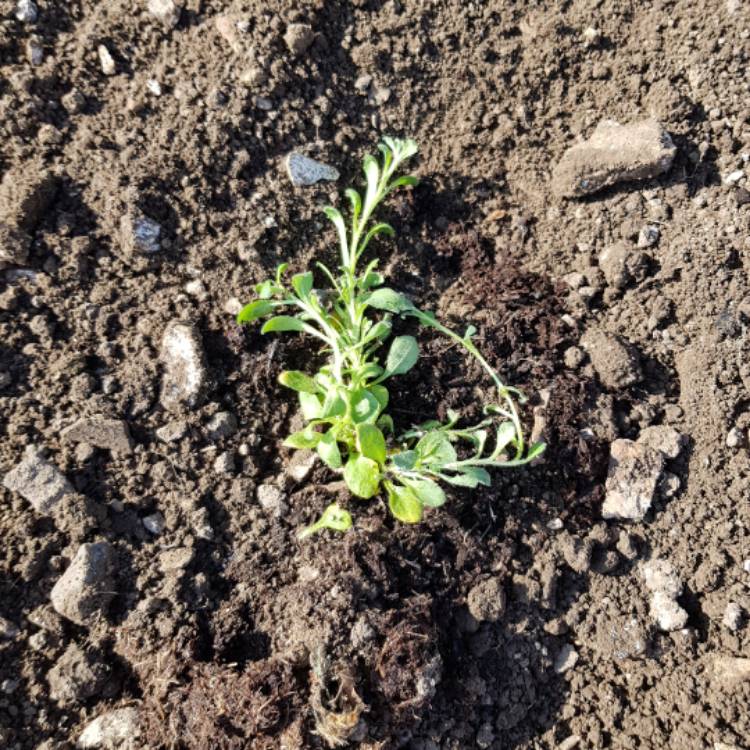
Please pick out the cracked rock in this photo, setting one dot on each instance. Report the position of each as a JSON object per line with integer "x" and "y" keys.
{"x": 185, "y": 377}
{"x": 38, "y": 481}
{"x": 111, "y": 434}
{"x": 86, "y": 588}
{"x": 634, "y": 471}
{"x": 612, "y": 154}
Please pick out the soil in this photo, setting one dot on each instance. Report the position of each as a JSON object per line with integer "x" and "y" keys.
{"x": 224, "y": 630}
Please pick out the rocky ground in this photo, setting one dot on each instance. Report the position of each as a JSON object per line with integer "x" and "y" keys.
{"x": 584, "y": 201}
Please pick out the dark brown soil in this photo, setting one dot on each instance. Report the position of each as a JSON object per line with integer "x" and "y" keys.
{"x": 370, "y": 639}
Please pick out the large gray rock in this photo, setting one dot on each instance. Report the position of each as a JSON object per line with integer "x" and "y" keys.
{"x": 185, "y": 376}
{"x": 114, "y": 730}
{"x": 86, "y": 588}
{"x": 38, "y": 481}
{"x": 616, "y": 363}
{"x": 111, "y": 434}
{"x": 634, "y": 471}
{"x": 612, "y": 154}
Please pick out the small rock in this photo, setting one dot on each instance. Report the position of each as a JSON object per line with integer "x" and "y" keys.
{"x": 34, "y": 51}
{"x": 735, "y": 438}
{"x": 665, "y": 586}
{"x": 225, "y": 463}
{"x": 172, "y": 431}
{"x": 114, "y": 730}
{"x": 200, "y": 522}
{"x": 222, "y": 425}
{"x": 486, "y": 601}
{"x": 732, "y": 617}
{"x": 38, "y": 481}
{"x": 110, "y": 434}
{"x": 612, "y": 154}
{"x": 626, "y": 546}
{"x": 573, "y": 357}
{"x": 634, "y": 471}
{"x": 77, "y": 676}
{"x": 139, "y": 235}
{"x": 86, "y": 588}
{"x": 185, "y": 377}
{"x": 380, "y": 95}
{"x": 616, "y": 363}
{"x": 271, "y": 499}
{"x": 27, "y": 11}
{"x": 106, "y": 61}
{"x": 154, "y": 523}
{"x": 175, "y": 559}
{"x": 154, "y": 87}
{"x": 299, "y": 37}
{"x": 566, "y": 659}
{"x": 591, "y": 36}
{"x": 301, "y": 464}
{"x": 734, "y": 177}
{"x": 662, "y": 438}
{"x": 648, "y": 236}
{"x": 363, "y": 83}
{"x": 731, "y": 671}
{"x": 196, "y": 288}
{"x": 263, "y": 103}
{"x": 166, "y": 11}
{"x": 305, "y": 171}
{"x": 9, "y": 686}
{"x": 8, "y": 631}
{"x": 620, "y": 637}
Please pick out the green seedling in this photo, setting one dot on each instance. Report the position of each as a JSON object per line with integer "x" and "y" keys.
{"x": 345, "y": 403}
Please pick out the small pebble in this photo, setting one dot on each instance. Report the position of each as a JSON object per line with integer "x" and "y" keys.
{"x": 734, "y": 438}
{"x": 106, "y": 60}
{"x": 734, "y": 177}
{"x": 732, "y": 617}
{"x": 566, "y": 659}
{"x": 224, "y": 463}
{"x": 154, "y": 523}
{"x": 154, "y": 86}
{"x": 8, "y": 630}
{"x": 648, "y": 236}
{"x": 27, "y": 11}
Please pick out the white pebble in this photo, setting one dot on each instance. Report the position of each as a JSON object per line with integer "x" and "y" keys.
{"x": 106, "y": 60}
{"x": 26, "y": 11}
{"x": 154, "y": 86}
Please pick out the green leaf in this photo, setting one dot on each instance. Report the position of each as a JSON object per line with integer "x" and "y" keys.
{"x": 385, "y": 423}
{"x": 535, "y": 451}
{"x": 402, "y": 356}
{"x": 302, "y": 283}
{"x": 283, "y": 323}
{"x": 380, "y": 228}
{"x": 310, "y": 405}
{"x": 470, "y": 476}
{"x": 428, "y": 492}
{"x": 306, "y": 438}
{"x": 435, "y": 448}
{"x": 381, "y": 330}
{"x": 506, "y": 434}
{"x": 408, "y": 179}
{"x": 338, "y": 221}
{"x": 371, "y": 443}
{"x": 372, "y": 175}
{"x": 362, "y": 476}
{"x": 298, "y": 381}
{"x": 372, "y": 279}
{"x": 365, "y": 406}
{"x": 328, "y": 450}
{"x": 381, "y": 394}
{"x": 280, "y": 271}
{"x": 355, "y": 200}
{"x": 404, "y": 504}
{"x": 334, "y": 518}
{"x": 390, "y": 300}
{"x": 266, "y": 289}
{"x": 256, "y": 309}
{"x": 406, "y": 460}
{"x": 333, "y": 406}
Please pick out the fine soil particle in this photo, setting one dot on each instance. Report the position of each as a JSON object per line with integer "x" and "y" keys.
{"x": 155, "y": 194}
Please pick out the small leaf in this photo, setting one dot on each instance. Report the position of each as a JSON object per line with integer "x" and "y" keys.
{"x": 372, "y": 279}
{"x": 362, "y": 476}
{"x": 435, "y": 448}
{"x": 306, "y": 438}
{"x": 470, "y": 476}
{"x": 381, "y": 228}
{"x": 298, "y": 381}
{"x": 338, "y": 221}
{"x": 428, "y": 492}
{"x": 381, "y": 330}
{"x": 385, "y": 423}
{"x": 302, "y": 283}
{"x": 310, "y": 405}
{"x": 280, "y": 271}
{"x": 381, "y": 394}
{"x": 371, "y": 442}
{"x": 408, "y": 179}
{"x": 470, "y": 331}
{"x": 404, "y": 504}
{"x": 406, "y": 460}
{"x": 283, "y": 323}
{"x": 402, "y": 356}
{"x": 266, "y": 289}
{"x": 390, "y": 300}
{"x": 328, "y": 450}
{"x": 256, "y": 309}
{"x": 334, "y": 518}
{"x": 333, "y": 406}
{"x": 506, "y": 434}
{"x": 536, "y": 450}
{"x": 365, "y": 406}
{"x": 372, "y": 175}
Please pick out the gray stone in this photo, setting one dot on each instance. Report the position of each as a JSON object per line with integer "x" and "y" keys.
{"x": 634, "y": 471}
{"x": 106, "y": 60}
{"x": 166, "y": 11}
{"x": 27, "y": 11}
{"x": 301, "y": 464}
{"x": 86, "y": 588}
{"x": 110, "y": 434}
{"x": 305, "y": 171}
{"x": 616, "y": 363}
{"x": 154, "y": 523}
{"x": 271, "y": 499}
{"x": 222, "y": 425}
{"x": 139, "y": 235}
{"x": 38, "y": 481}
{"x": 732, "y": 617}
{"x": 77, "y": 676}
{"x": 225, "y": 463}
{"x": 662, "y": 438}
{"x": 175, "y": 559}
{"x": 486, "y": 601}
{"x": 612, "y": 154}
{"x": 185, "y": 377}
{"x": 566, "y": 659}
{"x": 172, "y": 431}
{"x": 114, "y": 730}
{"x": 662, "y": 581}
{"x": 299, "y": 37}
{"x": 648, "y": 236}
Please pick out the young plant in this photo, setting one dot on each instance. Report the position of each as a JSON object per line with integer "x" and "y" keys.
{"x": 345, "y": 403}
